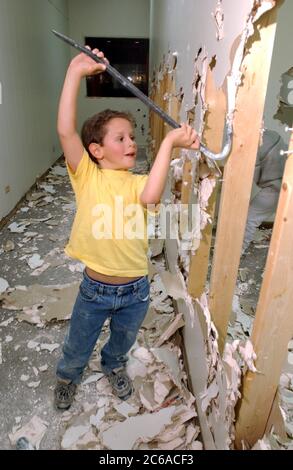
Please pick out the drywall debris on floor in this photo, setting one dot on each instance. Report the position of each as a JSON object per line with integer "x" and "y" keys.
{"x": 155, "y": 365}
{"x": 160, "y": 414}
{"x": 142, "y": 428}
{"x": 41, "y": 304}
{"x": 170, "y": 330}
{"x": 33, "y": 431}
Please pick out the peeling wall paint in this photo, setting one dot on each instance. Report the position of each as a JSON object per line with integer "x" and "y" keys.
{"x": 195, "y": 109}
{"x": 191, "y": 28}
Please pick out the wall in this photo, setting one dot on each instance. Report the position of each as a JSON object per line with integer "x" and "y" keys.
{"x": 32, "y": 65}
{"x": 114, "y": 18}
{"x": 186, "y": 25}
{"x": 281, "y": 62}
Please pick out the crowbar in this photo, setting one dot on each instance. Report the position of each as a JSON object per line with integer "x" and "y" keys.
{"x": 227, "y": 144}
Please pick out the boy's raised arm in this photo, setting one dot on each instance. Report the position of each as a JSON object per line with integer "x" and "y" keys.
{"x": 184, "y": 137}
{"x": 71, "y": 143}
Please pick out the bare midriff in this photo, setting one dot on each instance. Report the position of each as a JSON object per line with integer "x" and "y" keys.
{"x": 109, "y": 279}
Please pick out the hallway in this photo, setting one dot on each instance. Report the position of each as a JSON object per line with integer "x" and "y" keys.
{"x": 215, "y": 350}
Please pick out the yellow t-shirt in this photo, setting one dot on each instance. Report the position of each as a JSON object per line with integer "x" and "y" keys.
{"x": 109, "y": 230}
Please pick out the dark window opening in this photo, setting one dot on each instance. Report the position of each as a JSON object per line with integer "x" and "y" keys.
{"x": 130, "y": 56}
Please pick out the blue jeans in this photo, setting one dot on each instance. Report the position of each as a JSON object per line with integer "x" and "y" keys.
{"x": 126, "y": 305}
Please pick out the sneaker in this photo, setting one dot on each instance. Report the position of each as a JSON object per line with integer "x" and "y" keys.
{"x": 64, "y": 394}
{"x": 121, "y": 382}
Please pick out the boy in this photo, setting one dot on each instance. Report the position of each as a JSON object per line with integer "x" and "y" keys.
{"x": 115, "y": 283}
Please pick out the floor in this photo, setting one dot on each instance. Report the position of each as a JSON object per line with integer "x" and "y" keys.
{"x": 33, "y": 322}
{"x": 32, "y": 328}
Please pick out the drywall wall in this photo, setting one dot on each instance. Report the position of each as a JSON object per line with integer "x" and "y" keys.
{"x": 185, "y": 26}
{"x": 113, "y": 18}
{"x": 192, "y": 33}
{"x": 32, "y": 66}
{"x": 281, "y": 62}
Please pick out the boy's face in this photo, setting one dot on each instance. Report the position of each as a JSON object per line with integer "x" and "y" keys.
{"x": 119, "y": 148}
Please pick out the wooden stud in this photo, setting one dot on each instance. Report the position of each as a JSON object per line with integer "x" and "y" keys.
{"x": 273, "y": 325}
{"x": 239, "y": 170}
{"x": 158, "y": 128}
{"x": 212, "y": 137}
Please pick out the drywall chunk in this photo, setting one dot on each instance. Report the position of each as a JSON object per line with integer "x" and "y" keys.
{"x": 170, "y": 330}
{"x": 96, "y": 420}
{"x": 248, "y": 355}
{"x": 41, "y": 269}
{"x": 50, "y": 347}
{"x": 34, "y": 431}
{"x": 42, "y": 304}
{"x": 171, "y": 432}
{"x": 145, "y": 427}
{"x": 211, "y": 393}
{"x": 24, "y": 378}
{"x": 196, "y": 445}
{"x": 170, "y": 357}
{"x": 16, "y": 228}
{"x": 92, "y": 378}
{"x": 135, "y": 368}
{"x": 143, "y": 355}
{"x": 59, "y": 171}
{"x": 150, "y": 319}
{"x": 34, "y": 384}
{"x": 126, "y": 410}
{"x": 3, "y": 285}
{"x": 35, "y": 261}
{"x": 146, "y": 394}
{"x": 174, "y": 284}
{"x": 162, "y": 387}
{"x": 171, "y": 445}
{"x": 73, "y": 434}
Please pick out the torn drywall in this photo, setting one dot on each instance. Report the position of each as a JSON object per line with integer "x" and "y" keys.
{"x": 220, "y": 383}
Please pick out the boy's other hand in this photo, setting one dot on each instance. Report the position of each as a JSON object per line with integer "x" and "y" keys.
{"x": 84, "y": 65}
{"x": 184, "y": 137}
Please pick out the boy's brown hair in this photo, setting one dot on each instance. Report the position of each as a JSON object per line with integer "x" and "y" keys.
{"x": 94, "y": 129}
